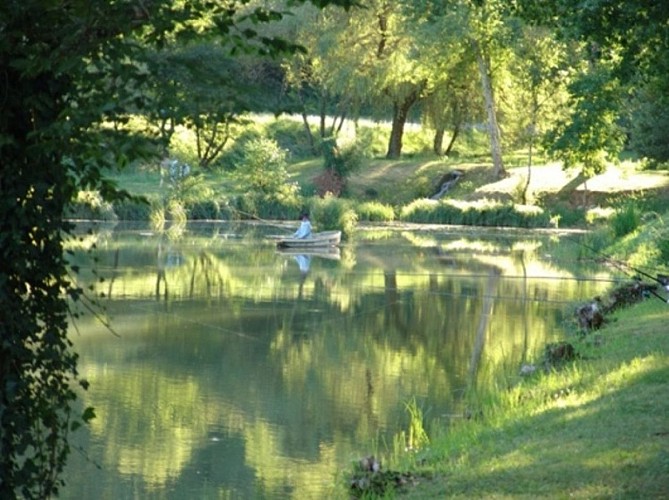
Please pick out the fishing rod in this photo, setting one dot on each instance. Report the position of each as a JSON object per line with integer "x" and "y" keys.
{"x": 259, "y": 219}
{"x": 622, "y": 266}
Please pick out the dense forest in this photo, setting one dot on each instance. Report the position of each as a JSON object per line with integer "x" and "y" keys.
{"x": 88, "y": 86}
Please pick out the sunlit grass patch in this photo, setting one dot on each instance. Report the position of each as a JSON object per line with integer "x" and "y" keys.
{"x": 595, "y": 428}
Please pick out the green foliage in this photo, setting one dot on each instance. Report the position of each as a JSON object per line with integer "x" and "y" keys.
{"x": 266, "y": 207}
{"x": 132, "y": 209}
{"x": 330, "y": 212}
{"x": 71, "y": 75}
{"x": 89, "y": 205}
{"x": 416, "y": 437}
{"x": 590, "y": 136}
{"x": 263, "y": 173}
{"x": 663, "y": 245}
{"x": 203, "y": 210}
{"x": 625, "y": 220}
{"x": 263, "y": 168}
{"x": 231, "y": 159}
{"x": 645, "y": 246}
{"x": 649, "y": 121}
{"x": 480, "y": 213}
{"x": 269, "y": 193}
{"x": 342, "y": 160}
{"x": 290, "y": 135}
{"x": 374, "y": 211}
{"x": 568, "y": 216}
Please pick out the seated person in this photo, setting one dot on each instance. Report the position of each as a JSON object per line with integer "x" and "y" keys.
{"x": 304, "y": 231}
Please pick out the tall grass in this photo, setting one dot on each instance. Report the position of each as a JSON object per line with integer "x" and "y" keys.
{"x": 625, "y": 220}
{"x": 374, "y": 211}
{"x": 479, "y": 213}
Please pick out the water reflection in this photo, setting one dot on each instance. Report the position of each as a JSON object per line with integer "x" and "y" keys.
{"x": 241, "y": 372}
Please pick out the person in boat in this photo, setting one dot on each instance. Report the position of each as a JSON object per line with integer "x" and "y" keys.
{"x": 304, "y": 231}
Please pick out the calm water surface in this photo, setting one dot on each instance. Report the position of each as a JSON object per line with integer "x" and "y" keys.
{"x": 237, "y": 371}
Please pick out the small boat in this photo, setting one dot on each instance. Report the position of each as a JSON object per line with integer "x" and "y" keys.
{"x": 316, "y": 240}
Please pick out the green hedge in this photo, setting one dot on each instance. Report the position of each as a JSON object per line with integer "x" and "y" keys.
{"x": 477, "y": 213}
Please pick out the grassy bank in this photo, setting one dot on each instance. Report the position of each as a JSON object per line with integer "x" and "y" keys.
{"x": 268, "y": 172}
{"x": 597, "y": 428}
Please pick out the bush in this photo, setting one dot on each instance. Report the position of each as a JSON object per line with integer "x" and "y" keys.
{"x": 374, "y": 211}
{"x": 334, "y": 213}
{"x": 342, "y": 160}
{"x": 132, "y": 210}
{"x": 203, "y": 210}
{"x": 235, "y": 155}
{"x": 663, "y": 246}
{"x": 257, "y": 205}
{"x": 264, "y": 168}
{"x": 569, "y": 217}
{"x": 90, "y": 205}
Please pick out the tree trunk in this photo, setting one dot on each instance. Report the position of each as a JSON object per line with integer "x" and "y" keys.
{"x": 400, "y": 114}
{"x": 526, "y": 188}
{"x": 491, "y": 110}
{"x": 456, "y": 133}
{"x": 310, "y": 136}
{"x": 307, "y": 127}
{"x": 323, "y": 114}
{"x": 438, "y": 142}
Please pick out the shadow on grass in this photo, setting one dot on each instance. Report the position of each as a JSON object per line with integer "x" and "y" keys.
{"x": 613, "y": 446}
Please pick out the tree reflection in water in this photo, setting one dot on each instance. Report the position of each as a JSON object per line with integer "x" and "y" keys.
{"x": 296, "y": 373}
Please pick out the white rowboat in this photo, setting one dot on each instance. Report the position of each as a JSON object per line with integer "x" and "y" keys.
{"x": 316, "y": 240}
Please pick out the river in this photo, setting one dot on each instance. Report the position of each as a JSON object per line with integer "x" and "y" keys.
{"x": 234, "y": 370}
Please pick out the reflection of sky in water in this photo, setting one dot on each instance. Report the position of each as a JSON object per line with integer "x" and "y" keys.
{"x": 235, "y": 374}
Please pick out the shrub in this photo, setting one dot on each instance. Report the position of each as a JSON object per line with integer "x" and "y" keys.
{"x": 132, "y": 209}
{"x": 90, "y": 205}
{"x": 663, "y": 246}
{"x": 291, "y": 136}
{"x": 375, "y": 211}
{"x": 568, "y": 217}
{"x": 341, "y": 159}
{"x": 235, "y": 155}
{"x": 334, "y": 213}
{"x": 257, "y": 205}
{"x": 203, "y": 210}
{"x": 264, "y": 169}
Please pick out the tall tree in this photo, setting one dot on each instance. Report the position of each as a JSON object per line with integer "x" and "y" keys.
{"x": 67, "y": 70}
{"x": 481, "y": 25}
{"x": 366, "y": 58}
{"x": 452, "y": 95}
{"x": 627, "y": 46}
{"x": 203, "y": 88}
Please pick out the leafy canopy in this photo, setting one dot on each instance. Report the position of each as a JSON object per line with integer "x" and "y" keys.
{"x": 71, "y": 74}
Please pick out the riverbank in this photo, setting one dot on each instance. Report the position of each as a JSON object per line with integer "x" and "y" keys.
{"x": 597, "y": 427}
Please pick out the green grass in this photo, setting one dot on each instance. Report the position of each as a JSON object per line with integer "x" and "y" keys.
{"x": 597, "y": 428}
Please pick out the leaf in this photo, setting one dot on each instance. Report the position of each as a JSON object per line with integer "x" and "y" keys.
{"x": 88, "y": 414}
